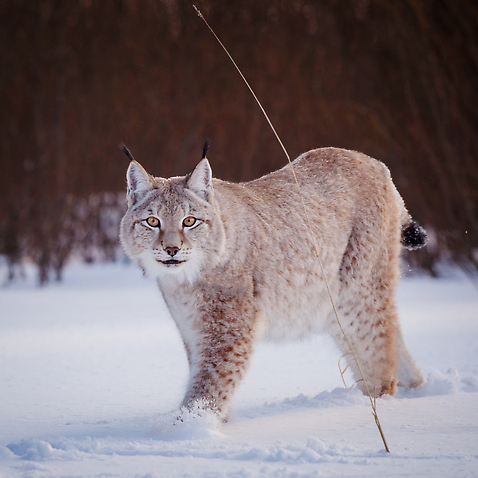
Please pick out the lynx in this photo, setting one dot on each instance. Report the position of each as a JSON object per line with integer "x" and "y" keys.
{"x": 237, "y": 262}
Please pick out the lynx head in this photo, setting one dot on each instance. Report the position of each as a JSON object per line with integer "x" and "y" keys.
{"x": 172, "y": 226}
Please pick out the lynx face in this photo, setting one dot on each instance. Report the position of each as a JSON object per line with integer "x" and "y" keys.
{"x": 171, "y": 227}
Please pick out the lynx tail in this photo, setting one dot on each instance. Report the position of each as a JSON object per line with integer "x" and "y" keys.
{"x": 413, "y": 236}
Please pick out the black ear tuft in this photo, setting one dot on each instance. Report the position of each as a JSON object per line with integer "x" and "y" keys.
{"x": 413, "y": 236}
{"x": 127, "y": 152}
{"x": 205, "y": 149}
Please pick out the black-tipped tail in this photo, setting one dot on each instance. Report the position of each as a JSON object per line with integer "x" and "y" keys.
{"x": 413, "y": 236}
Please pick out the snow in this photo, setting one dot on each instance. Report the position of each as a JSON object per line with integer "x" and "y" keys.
{"x": 92, "y": 370}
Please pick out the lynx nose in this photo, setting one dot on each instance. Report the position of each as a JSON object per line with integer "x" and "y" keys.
{"x": 172, "y": 250}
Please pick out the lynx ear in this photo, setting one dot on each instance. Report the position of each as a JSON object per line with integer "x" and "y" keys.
{"x": 200, "y": 180}
{"x": 139, "y": 182}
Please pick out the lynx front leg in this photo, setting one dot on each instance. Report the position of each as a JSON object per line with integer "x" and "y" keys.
{"x": 220, "y": 355}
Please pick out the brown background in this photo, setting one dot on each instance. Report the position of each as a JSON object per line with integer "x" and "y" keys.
{"x": 396, "y": 80}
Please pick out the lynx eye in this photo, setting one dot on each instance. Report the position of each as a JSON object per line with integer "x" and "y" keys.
{"x": 189, "y": 221}
{"x": 152, "y": 221}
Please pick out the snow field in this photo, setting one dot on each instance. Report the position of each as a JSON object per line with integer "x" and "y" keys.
{"x": 92, "y": 371}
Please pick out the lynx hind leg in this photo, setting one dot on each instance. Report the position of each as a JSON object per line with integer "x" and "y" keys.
{"x": 367, "y": 312}
{"x": 409, "y": 375}
{"x": 371, "y": 334}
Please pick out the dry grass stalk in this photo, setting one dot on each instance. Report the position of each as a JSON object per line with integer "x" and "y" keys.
{"x": 373, "y": 401}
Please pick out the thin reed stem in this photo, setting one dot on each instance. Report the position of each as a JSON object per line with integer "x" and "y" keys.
{"x": 314, "y": 240}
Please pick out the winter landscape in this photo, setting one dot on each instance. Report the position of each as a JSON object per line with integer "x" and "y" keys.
{"x": 92, "y": 368}
{"x": 92, "y": 371}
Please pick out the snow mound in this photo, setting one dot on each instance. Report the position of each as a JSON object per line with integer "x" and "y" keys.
{"x": 338, "y": 397}
{"x": 438, "y": 383}
{"x": 41, "y": 450}
{"x": 314, "y": 451}
{"x": 68, "y": 449}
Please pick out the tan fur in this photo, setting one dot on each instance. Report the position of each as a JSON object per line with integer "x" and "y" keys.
{"x": 250, "y": 269}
